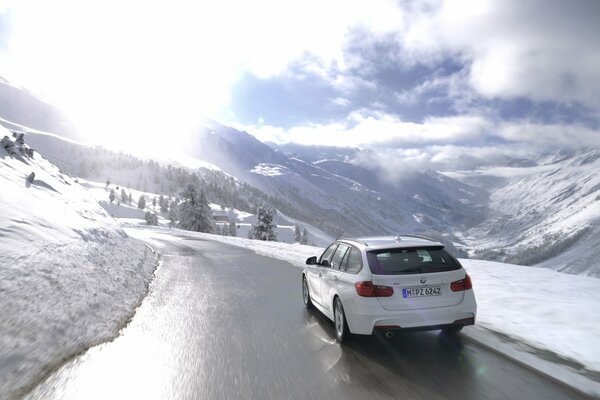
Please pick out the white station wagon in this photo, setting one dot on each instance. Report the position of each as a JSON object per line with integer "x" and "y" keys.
{"x": 389, "y": 283}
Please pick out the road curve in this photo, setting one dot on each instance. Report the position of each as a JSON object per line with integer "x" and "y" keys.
{"x": 221, "y": 322}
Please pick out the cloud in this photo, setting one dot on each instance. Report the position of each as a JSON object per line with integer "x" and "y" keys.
{"x": 550, "y": 135}
{"x": 378, "y": 73}
{"x": 341, "y": 102}
{"x": 440, "y": 158}
{"x": 376, "y": 128}
{"x": 539, "y": 50}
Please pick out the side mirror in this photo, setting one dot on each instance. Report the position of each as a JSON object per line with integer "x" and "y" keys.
{"x": 311, "y": 260}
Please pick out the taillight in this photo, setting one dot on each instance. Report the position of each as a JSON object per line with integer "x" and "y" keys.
{"x": 367, "y": 289}
{"x": 463, "y": 284}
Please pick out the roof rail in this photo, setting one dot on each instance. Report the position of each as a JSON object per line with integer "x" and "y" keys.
{"x": 416, "y": 236}
{"x": 352, "y": 240}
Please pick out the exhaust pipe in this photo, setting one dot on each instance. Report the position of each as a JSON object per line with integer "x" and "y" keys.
{"x": 389, "y": 334}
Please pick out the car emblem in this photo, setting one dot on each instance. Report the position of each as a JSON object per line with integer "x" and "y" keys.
{"x": 423, "y": 280}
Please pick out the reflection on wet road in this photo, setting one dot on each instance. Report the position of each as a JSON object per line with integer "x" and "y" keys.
{"x": 221, "y": 322}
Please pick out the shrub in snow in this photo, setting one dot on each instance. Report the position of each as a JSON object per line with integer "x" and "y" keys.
{"x": 20, "y": 139}
{"x": 264, "y": 228}
{"x": 111, "y": 196}
{"x": 151, "y": 218}
{"x": 31, "y": 177}
{"x": 194, "y": 212}
{"x": 8, "y": 145}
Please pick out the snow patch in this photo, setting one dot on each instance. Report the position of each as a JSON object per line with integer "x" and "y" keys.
{"x": 270, "y": 170}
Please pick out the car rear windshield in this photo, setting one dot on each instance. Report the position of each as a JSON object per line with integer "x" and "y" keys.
{"x": 411, "y": 261}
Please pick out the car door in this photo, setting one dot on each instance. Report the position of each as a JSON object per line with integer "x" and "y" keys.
{"x": 316, "y": 273}
{"x": 331, "y": 276}
{"x": 351, "y": 265}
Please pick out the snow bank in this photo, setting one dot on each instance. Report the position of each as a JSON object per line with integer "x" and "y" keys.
{"x": 546, "y": 309}
{"x": 70, "y": 278}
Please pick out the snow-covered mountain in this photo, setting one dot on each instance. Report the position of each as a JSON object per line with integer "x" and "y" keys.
{"x": 21, "y": 109}
{"x": 337, "y": 195}
{"x": 542, "y": 212}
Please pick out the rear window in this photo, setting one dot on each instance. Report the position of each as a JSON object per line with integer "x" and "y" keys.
{"x": 411, "y": 261}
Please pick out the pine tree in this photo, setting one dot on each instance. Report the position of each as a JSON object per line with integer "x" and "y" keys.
{"x": 194, "y": 212}
{"x": 123, "y": 195}
{"x": 142, "y": 202}
{"x": 163, "y": 203}
{"x": 172, "y": 214}
{"x": 130, "y": 198}
{"x": 154, "y": 202}
{"x": 297, "y": 233}
{"x": 304, "y": 237}
{"x": 151, "y": 218}
{"x": 111, "y": 196}
{"x": 232, "y": 229}
{"x": 264, "y": 228}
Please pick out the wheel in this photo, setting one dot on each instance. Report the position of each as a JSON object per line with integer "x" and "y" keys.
{"x": 342, "y": 333}
{"x": 306, "y": 294}
{"x": 452, "y": 328}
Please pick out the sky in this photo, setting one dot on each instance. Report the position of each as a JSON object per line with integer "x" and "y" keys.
{"x": 421, "y": 81}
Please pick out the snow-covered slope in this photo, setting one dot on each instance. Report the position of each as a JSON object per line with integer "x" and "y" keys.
{"x": 545, "y": 212}
{"x": 69, "y": 276}
{"x": 19, "y": 107}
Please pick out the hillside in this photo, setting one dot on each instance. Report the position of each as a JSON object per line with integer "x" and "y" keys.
{"x": 22, "y": 109}
{"x": 545, "y": 212}
{"x": 69, "y": 276}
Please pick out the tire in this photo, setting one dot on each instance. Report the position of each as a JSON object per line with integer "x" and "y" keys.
{"x": 306, "y": 294}
{"x": 342, "y": 333}
{"x": 452, "y": 328}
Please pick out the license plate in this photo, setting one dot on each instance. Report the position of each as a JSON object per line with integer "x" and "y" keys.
{"x": 422, "y": 292}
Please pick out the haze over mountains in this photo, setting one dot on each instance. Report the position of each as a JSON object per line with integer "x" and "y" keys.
{"x": 539, "y": 210}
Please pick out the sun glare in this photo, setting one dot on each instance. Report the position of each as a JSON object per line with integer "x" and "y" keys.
{"x": 134, "y": 73}
{"x": 129, "y": 74}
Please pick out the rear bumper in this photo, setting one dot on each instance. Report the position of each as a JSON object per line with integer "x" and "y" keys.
{"x": 364, "y": 317}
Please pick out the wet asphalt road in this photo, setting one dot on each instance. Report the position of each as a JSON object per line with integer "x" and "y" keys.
{"x": 221, "y": 322}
